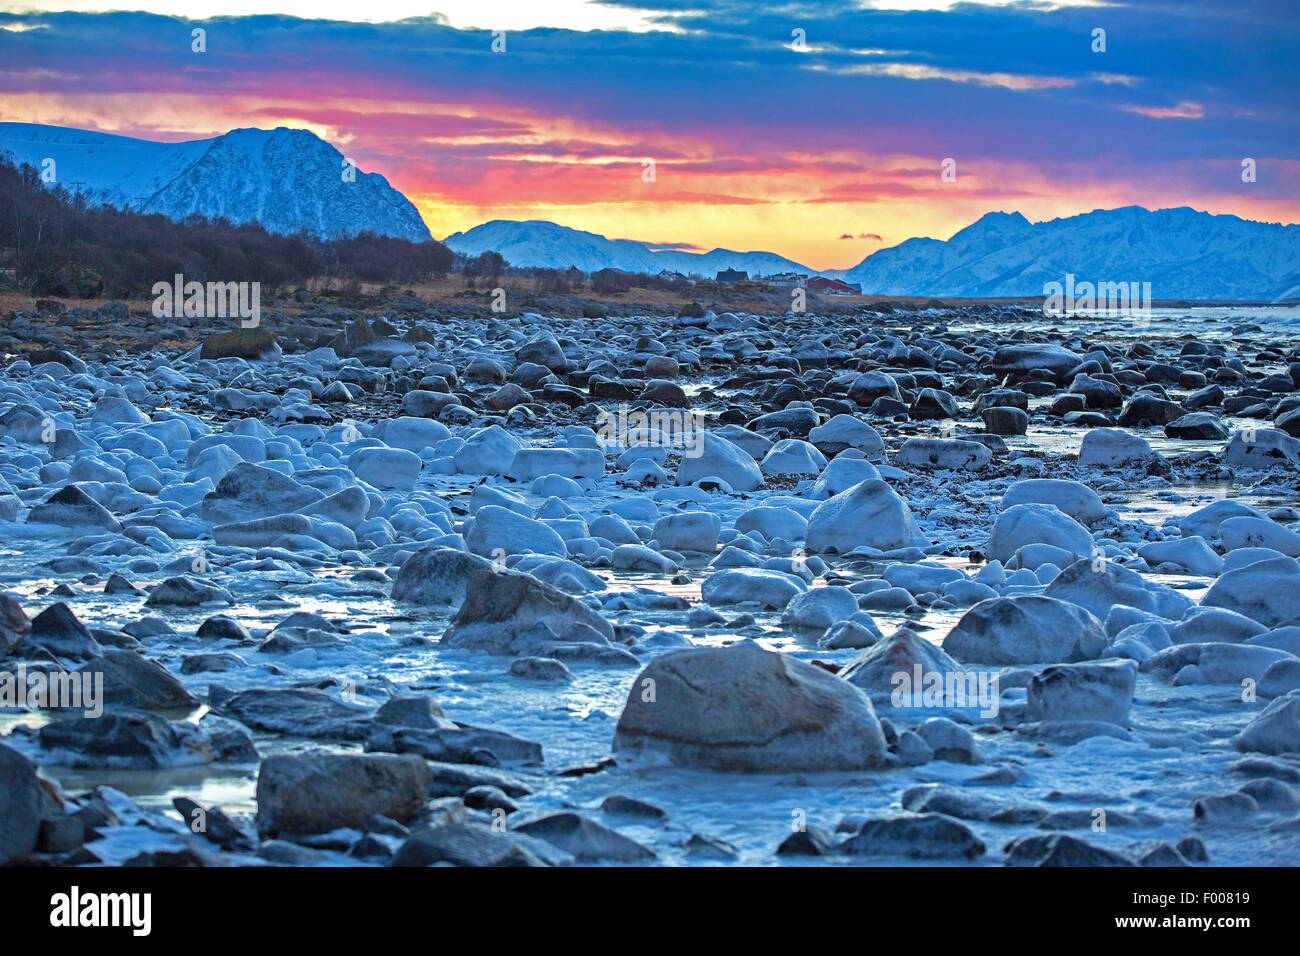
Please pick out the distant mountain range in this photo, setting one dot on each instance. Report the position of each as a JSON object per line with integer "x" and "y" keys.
{"x": 538, "y": 243}
{"x": 289, "y": 180}
{"x": 1183, "y": 253}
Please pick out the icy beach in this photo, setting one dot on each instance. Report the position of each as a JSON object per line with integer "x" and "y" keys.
{"x": 960, "y": 586}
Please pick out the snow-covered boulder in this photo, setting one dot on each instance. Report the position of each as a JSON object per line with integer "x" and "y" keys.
{"x": 743, "y": 709}
{"x": 948, "y": 454}
{"x": 870, "y": 514}
{"x": 1267, "y": 591}
{"x": 688, "y": 531}
{"x": 1026, "y": 524}
{"x": 819, "y": 608}
{"x": 1276, "y": 730}
{"x": 768, "y": 589}
{"x": 1026, "y": 629}
{"x": 719, "y": 458}
{"x": 1072, "y": 497}
{"x": 498, "y": 532}
{"x": 1114, "y": 448}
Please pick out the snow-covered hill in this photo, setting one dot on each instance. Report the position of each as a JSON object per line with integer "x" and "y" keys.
{"x": 537, "y": 243}
{"x": 1183, "y": 253}
{"x": 289, "y": 180}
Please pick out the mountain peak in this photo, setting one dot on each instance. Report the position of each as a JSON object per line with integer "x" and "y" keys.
{"x": 289, "y": 180}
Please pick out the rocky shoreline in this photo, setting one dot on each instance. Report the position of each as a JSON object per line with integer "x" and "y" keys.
{"x": 384, "y": 586}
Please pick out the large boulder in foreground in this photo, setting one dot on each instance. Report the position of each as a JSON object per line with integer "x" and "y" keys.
{"x": 316, "y": 792}
{"x": 1026, "y": 629}
{"x": 743, "y": 709}
{"x": 869, "y": 514}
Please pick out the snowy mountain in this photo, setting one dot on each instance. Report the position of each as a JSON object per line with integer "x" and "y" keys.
{"x": 537, "y": 243}
{"x": 1183, "y": 253}
{"x": 289, "y": 180}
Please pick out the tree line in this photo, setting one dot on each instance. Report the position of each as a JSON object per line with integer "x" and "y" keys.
{"x": 54, "y": 243}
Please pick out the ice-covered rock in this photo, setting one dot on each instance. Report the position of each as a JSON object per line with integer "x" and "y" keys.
{"x": 250, "y": 491}
{"x": 386, "y": 467}
{"x": 743, "y": 709}
{"x": 952, "y": 454}
{"x": 511, "y": 613}
{"x": 1113, "y": 448}
{"x": 436, "y": 576}
{"x": 791, "y": 456}
{"x": 1276, "y": 730}
{"x": 1267, "y": 592}
{"x": 1204, "y": 522}
{"x": 1215, "y": 663}
{"x": 497, "y": 532}
{"x": 1095, "y": 691}
{"x": 765, "y": 588}
{"x": 719, "y": 458}
{"x": 1193, "y": 554}
{"x": 844, "y": 431}
{"x": 1071, "y": 497}
{"x": 819, "y": 608}
{"x": 488, "y": 451}
{"x": 1246, "y": 531}
{"x": 1026, "y": 524}
{"x": 688, "y": 531}
{"x": 905, "y": 671}
{"x": 1262, "y": 448}
{"x": 1025, "y": 629}
{"x": 869, "y": 514}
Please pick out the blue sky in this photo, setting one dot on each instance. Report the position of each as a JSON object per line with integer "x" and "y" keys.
{"x": 757, "y": 140}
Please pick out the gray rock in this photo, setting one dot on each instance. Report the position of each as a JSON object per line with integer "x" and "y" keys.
{"x": 297, "y": 711}
{"x": 917, "y": 836}
{"x": 131, "y": 680}
{"x": 511, "y": 613}
{"x": 586, "y": 840}
{"x": 437, "y": 577}
{"x": 1026, "y": 629}
{"x": 22, "y": 802}
{"x": 741, "y": 708}
{"x": 57, "y": 630}
{"x": 319, "y": 792}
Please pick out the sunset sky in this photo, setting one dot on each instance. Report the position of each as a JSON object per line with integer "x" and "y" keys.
{"x": 823, "y": 154}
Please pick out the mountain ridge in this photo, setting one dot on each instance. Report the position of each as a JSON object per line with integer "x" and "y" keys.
{"x": 292, "y": 181}
{"x": 540, "y": 243}
{"x": 288, "y": 180}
